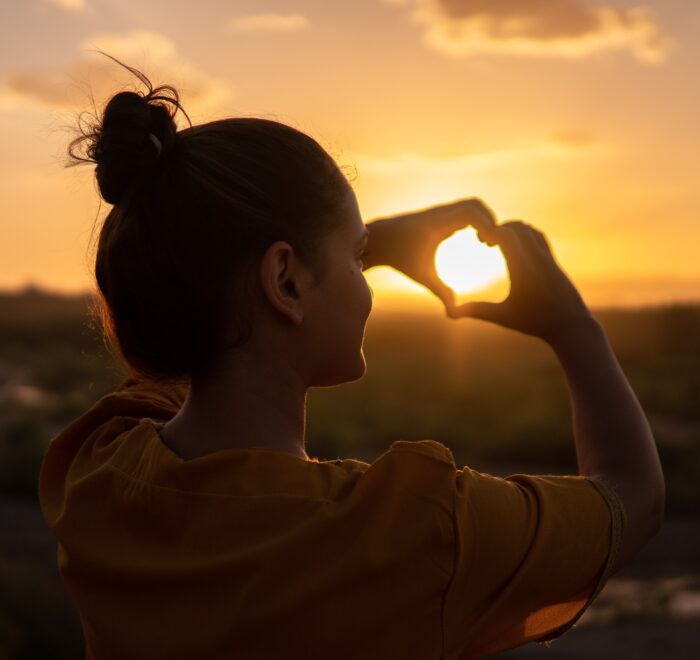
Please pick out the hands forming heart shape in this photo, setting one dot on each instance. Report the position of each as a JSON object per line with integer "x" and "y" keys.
{"x": 408, "y": 242}
{"x": 542, "y": 302}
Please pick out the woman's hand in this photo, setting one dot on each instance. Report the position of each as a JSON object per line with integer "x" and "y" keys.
{"x": 407, "y": 242}
{"x": 542, "y": 301}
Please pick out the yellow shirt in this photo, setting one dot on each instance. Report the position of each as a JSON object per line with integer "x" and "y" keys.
{"x": 259, "y": 554}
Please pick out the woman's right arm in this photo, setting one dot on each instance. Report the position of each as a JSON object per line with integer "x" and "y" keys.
{"x": 614, "y": 442}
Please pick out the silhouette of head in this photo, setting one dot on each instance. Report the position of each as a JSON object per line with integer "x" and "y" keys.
{"x": 234, "y": 233}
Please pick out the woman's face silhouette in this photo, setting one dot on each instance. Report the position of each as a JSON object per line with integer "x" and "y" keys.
{"x": 341, "y": 303}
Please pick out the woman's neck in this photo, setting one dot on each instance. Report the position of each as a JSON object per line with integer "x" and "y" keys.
{"x": 245, "y": 402}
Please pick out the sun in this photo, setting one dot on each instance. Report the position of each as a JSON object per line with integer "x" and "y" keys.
{"x": 466, "y": 264}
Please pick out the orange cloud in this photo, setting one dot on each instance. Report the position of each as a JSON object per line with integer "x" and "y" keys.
{"x": 270, "y": 23}
{"x": 555, "y": 28}
{"x": 69, "y": 5}
{"x": 92, "y": 74}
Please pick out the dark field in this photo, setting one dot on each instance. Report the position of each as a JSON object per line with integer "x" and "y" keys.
{"x": 496, "y": 398}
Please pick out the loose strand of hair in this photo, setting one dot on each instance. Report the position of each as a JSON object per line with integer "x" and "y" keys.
{"x": 164, "y": 95}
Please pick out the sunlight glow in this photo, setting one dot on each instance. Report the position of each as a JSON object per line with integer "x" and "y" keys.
{"x": 466, "y": 264}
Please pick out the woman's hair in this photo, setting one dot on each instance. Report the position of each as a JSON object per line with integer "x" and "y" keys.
{"x": 193, "y": 212}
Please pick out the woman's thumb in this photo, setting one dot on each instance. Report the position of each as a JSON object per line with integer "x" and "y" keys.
{"x": 485, "y": 311}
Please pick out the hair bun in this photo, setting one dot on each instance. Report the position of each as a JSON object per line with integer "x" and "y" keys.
{"x": 121, "y": 143}
{"x": 123, "y": 150}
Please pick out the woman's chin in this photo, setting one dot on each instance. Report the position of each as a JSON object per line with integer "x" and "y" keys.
{"x": 346, "y": 375}
{"x": 360, "y": 371}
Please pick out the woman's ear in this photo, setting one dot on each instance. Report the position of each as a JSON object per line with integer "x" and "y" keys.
{"x": 281, "y": 277}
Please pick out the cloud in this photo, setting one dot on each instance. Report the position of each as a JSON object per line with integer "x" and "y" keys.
{"x": 269, "y": 23}
{"x": 555, "y": 147}
{"x": 69, "y": 5}
{"x": 91, "y": 73}
{"x": 509, "y": 174}
{"x": 543, "y": 28}
{"x": 49, "y": 89}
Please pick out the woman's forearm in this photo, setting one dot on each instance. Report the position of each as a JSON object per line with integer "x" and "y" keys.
{"x": 609, "y": 420}
{"x": 612, "y": 435}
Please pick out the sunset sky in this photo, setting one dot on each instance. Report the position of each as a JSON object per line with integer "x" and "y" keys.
{"x": 580, "y": 117}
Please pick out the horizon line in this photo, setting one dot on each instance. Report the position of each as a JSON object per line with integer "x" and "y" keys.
{"x": 396, "y": 307}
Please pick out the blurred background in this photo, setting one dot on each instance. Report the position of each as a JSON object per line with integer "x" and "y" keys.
{"x": 577, "y": 116}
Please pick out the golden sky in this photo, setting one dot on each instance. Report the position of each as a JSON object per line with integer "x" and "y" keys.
{"x": 580, "y": 117}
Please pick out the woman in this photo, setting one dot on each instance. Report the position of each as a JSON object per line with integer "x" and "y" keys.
{"x": 191, "y": 522}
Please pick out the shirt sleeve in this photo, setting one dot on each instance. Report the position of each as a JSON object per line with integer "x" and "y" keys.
{"x": 531, "y": 554}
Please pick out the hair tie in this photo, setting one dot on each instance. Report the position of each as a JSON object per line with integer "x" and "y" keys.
{"x": 157, "y": 142}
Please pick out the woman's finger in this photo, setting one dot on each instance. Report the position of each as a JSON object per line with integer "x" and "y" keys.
{"x": 479, "y": 214}
{"x": 442, "y": 291}
{"x": 464, "y": 213}
{"x": 528, "y": 236}
{"x": 542, "y": 241}
{"x": 509, "y": 238}
{"x": 539, "y": 247}
{"x": 485, "y": 311}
